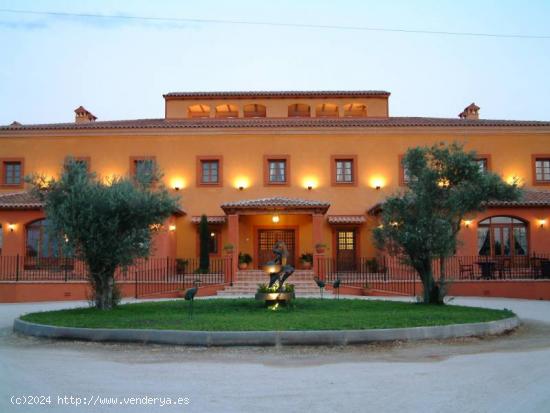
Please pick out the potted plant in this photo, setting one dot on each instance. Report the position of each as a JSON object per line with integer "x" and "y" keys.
{"x": 228, "y": 248}
{"x": 244, "y": 260}
{"x": 181, "y": 265}
{"x": 320, "y": 248}
{"x": 306, "y": 260}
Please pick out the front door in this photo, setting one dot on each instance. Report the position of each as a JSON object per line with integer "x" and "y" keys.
{"x": 267, "y": 239}
{"x": 346, "y": 248}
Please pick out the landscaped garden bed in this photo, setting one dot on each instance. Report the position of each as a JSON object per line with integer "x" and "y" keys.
{"x": 250, "y": 315}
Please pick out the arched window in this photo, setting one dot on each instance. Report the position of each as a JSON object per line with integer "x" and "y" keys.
{"x": 254, "y": 110}
{"x": 502, "y": 236}
{"x": 40, "y": 243}
{"x": 198, "y": 111}
{"x": 326, "y": 110}
{"x": 355, "y": 110}
{"x": 298, "y": 110}
{"x": 227, "y": 110}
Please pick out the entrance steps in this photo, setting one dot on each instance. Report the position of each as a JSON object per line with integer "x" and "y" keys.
{"x": 247, "y": 282}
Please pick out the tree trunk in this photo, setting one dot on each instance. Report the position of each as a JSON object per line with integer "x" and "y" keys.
{"x": 104, "y": 286}
{"x": 426, "y": 275}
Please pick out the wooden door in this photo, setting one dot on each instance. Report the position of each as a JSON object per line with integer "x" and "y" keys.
{"x": 267, "y": 239}
{"x": 346, "y": 249}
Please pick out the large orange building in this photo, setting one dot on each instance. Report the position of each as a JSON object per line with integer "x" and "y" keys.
{"x": 305, "y": 167}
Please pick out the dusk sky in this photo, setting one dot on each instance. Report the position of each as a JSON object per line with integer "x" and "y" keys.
{"x": 119, "y": 68}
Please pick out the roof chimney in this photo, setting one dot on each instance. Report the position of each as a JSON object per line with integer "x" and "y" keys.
{"x": 83, "y": 115}
{"x": 470, "y": 112}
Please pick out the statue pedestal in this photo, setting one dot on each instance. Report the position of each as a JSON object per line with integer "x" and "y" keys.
{"x": 274, "y": 298}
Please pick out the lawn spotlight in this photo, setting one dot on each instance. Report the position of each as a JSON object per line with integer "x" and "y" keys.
{"x": 190, "y": 296}
{"x": 321, "y": 284}
{"x": 336, "y": 286}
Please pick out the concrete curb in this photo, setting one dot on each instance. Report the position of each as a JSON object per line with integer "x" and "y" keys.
{"x": 266, "y": 338}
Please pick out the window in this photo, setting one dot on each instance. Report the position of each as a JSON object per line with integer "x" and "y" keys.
{"x": 227, "y": 111}
{"x": 144, "y": 166}
{"x": 214, "y": 242}
{"x": 502, "y": 236}
{"x": 40, "y": 243}
{"x": 12, "y": 172}
{"x": 198, "y": 111}
{"x": 326, "y": 110}
{"x": 254, "y": 110}
{"x": 299, "y": 110}
{"x": 404, "y": 175}
{"x": 355, "y": 110}
{"x": 276, "y": 169}
{"x": 81, "y": 160}
{"x": 484, "y": 163}
{"x": 344, "y": 170}
{"x": 209, "y": 171}
{"x": 541, "y": 166}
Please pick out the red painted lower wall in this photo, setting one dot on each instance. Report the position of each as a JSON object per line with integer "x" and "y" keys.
{"x": 12, "y": 292}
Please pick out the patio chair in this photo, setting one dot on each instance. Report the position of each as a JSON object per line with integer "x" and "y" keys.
{"x": 465, "y": 269}
{"x": 504, "y": 267}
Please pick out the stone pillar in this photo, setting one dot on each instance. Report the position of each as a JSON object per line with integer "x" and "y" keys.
{"x": 233, "y": 237}
{"x": 317, "y": 226}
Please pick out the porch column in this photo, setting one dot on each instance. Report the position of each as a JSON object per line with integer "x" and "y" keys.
{"x": 317, "y": 224}
{"x": 233, "y": 236}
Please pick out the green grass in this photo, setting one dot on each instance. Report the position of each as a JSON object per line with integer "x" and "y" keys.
{"x": 248, "y": 314}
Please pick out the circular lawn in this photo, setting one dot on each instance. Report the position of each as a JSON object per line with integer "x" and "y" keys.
{"x": 242, "y": 314}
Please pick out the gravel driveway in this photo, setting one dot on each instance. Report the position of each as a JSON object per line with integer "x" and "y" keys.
{"x": 503, "y": 374}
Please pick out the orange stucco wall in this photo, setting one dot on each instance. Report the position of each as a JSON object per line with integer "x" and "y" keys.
{"x": 243, "y": 151}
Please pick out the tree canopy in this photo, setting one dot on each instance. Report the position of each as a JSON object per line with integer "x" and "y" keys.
{"x": 445, "y": 184}
{"x": 107, "y": 224}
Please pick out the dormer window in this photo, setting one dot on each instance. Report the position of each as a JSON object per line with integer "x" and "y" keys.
{"x": 255, "y": 110}
{"x": 299, "y": 110}
{"x": 198, "y": 111}
{"x": 326, "y": 110}
{"x": 355, "y": 110}
{"x": 227, "y": 111}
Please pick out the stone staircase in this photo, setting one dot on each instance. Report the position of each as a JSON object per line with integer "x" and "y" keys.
{"x": 248, "y": 280}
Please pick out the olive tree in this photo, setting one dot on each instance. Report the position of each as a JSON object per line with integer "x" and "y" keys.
{"x": 445, "y": 184}
{"x": 105, "y": 224}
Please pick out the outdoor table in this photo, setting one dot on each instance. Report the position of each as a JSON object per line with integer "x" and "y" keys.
{"x": 487, "y": 269}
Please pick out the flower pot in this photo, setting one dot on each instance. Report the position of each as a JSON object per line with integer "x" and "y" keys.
{"x": 243, "y": 266}
{"x": 320, "y": 250}
{"x": 229, "y": 251}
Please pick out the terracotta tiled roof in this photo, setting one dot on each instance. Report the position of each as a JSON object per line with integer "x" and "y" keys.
{"x": 530, "y": 198}
{"x": 276, "y": 203}
{"x": 27, "y": 200}
{"x": 211, "y": 219}
{"x": 346, "y": 219}
{"x": 233, "y": 123}
{"x": 278, "y": 94}
{"x": 20, "y": 200}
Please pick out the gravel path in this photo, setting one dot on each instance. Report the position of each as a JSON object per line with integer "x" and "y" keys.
{"x": 503, "y": 374}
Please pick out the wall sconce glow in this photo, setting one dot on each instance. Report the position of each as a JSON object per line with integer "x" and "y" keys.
{"x": 177, "y": 184}
{"x": 514, "y": 180}
{"x": 155, "y": 227}
{"x": 377, "y": 182}
{"x": 212, "y": 234}
{"x": 542, "y": 222}
{"x": 171, "y": 227}
{"x": 275, "y": 218}
{"x": 11, "y": 227}
{"x": 242, "y": 183}
{"x": 467, "y": 223}
{"x": 310, "y": 183}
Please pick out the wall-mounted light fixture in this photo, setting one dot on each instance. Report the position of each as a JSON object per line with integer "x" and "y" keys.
{"x": 212, "y": 234}
{"x": 275, "y": 219}
{"x": 11, "y": 227}
{"x": 542, "y": 223}
{"x": 177, "y": 184}
{"x": 310, "y": 183}
{"x": 171, "y": 227}
{"x": 467, "y": 223}
{"x": 377, "y": 183}
{"x": 241, "y": 184}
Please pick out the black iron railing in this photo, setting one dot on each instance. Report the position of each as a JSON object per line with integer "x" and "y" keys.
{"x": 150, "y": 276}
{"x": 392, "y": 274}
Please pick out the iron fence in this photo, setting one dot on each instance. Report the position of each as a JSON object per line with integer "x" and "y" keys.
{"x": 150, "y": 276}
{"x": 392, "y": 274}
